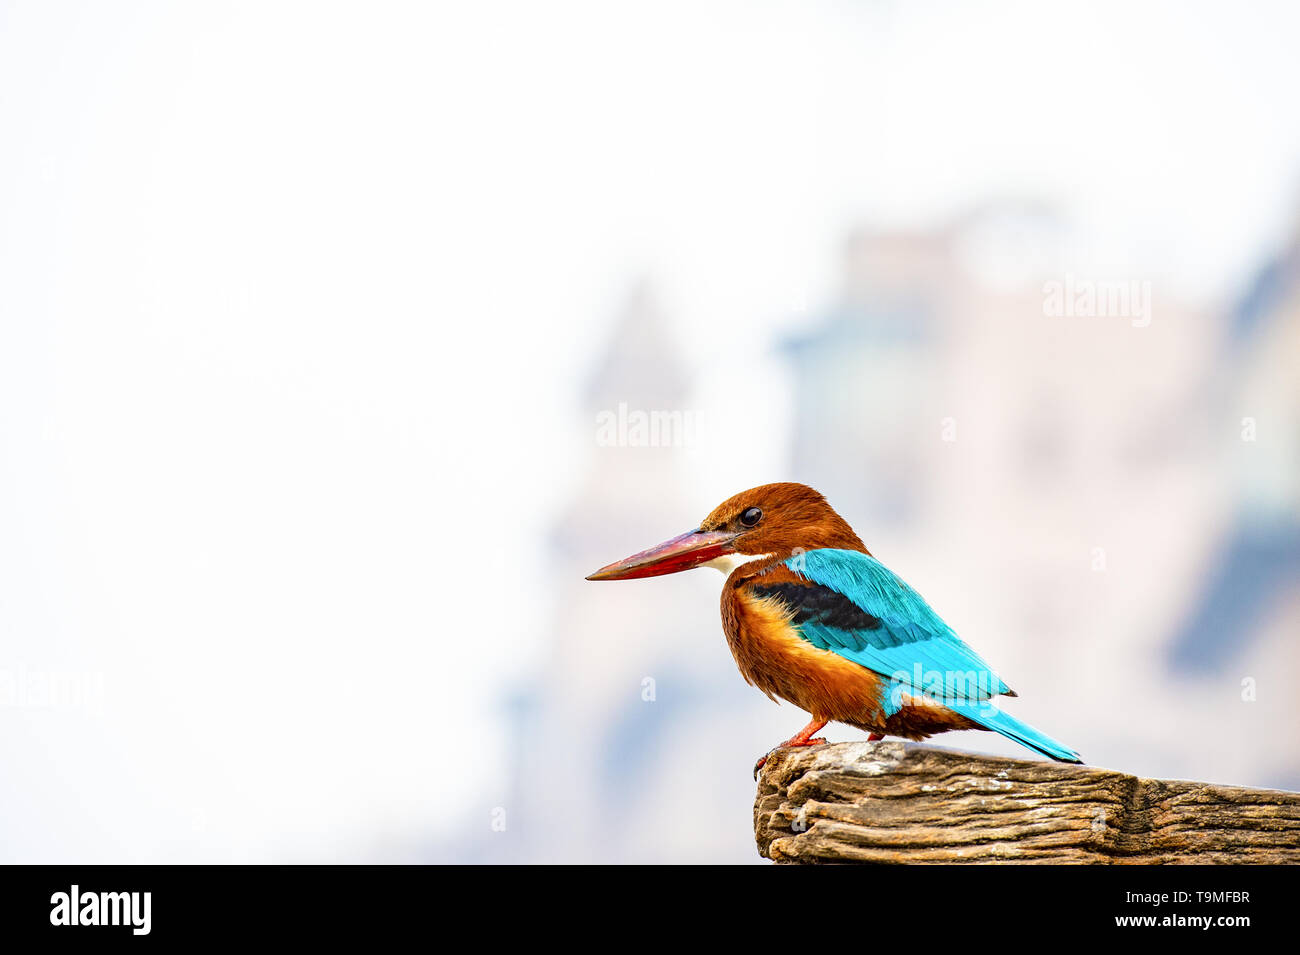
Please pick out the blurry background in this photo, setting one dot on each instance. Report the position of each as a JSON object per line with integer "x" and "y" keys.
{"x": 338, "y": 342}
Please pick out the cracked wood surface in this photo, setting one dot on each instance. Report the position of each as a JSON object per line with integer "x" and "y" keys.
{"x": 906, "y": 802}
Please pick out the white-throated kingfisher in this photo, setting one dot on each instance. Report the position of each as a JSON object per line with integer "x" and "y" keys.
{"x": 811, "y": 617}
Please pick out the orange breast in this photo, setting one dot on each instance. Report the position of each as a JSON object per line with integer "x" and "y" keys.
{"x": 773, "y": 657}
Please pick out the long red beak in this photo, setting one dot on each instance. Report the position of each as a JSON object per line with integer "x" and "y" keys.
{"x": 681, "y": 553}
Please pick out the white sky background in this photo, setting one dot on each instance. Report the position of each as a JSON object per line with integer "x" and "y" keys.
{"x": 295, "y": 300}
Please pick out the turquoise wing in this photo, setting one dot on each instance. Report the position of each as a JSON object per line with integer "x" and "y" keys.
{"x": 894, "y": 632}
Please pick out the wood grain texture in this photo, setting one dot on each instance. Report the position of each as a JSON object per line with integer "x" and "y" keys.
{"x": 895, "y": 802}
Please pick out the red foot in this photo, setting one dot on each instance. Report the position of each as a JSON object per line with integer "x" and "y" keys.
{"x": 803, "y": 738}
{"x": 875, "y": 737}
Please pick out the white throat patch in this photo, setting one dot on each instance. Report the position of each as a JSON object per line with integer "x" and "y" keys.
{"x": 729, "y": 562}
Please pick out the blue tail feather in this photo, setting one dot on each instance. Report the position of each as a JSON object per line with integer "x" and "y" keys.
{"x": 990, "y": 717}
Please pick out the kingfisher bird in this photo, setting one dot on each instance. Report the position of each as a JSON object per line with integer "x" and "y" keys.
{"x": 813, "y": 618}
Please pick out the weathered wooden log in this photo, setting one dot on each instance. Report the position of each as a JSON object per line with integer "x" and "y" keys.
{"x": 907, "y": 802}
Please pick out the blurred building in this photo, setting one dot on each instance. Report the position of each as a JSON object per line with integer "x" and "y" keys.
{"x": 1246, "y": 614}
{"x": 1071, "y": 492}
{"x": 1066, "y": 488}
{"x": 614, "y": 757}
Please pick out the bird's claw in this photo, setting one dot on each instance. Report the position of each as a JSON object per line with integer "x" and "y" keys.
{"x": 762, "y": 760}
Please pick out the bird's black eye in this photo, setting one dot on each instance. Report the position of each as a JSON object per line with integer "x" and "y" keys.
{"x": 751, "y": 516}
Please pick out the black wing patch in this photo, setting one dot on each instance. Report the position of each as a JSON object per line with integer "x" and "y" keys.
{"x": 816, "y": 604}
